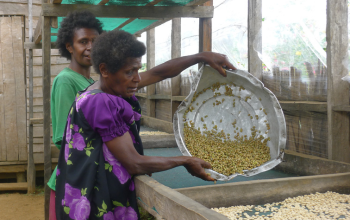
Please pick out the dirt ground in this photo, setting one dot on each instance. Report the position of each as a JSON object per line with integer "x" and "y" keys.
{"x": 19, "y": 206}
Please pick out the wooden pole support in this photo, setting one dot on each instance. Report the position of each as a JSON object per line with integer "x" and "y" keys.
{"x": 175, "y": 53}
{"x": 46, "y": 64}
{"x": 338, "y": 90}
{"x": 205, "y": 31}
{"x": 151, "y": 90}
{"x": 254, "y": 37}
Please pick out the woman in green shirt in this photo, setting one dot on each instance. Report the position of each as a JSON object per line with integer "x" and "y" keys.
{"x": 74, "y": 39}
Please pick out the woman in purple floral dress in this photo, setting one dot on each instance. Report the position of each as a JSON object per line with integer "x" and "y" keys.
{"x": 101, "y": 149}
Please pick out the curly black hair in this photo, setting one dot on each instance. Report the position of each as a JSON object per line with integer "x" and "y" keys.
{"x": 113, "y": 48}
{"x": 74, "y": 21}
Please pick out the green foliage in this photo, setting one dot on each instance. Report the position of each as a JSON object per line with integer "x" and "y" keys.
{"x": 144, "y": 215}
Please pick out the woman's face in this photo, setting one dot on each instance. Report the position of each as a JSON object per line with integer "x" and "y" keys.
{"x": 126, "y": 80}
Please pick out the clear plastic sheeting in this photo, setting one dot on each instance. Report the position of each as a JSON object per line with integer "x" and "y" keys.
{"x": 163, "y": 54}
{"x": 291, "y": 85}
{"x": 189, "y": 46}
{"x": 293, "y": 49}
{"x": 230, "y": 31}
{"x": 307, "y": 132}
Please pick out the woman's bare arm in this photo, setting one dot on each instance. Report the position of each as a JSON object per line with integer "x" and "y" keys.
{"x": 123, "y": 149}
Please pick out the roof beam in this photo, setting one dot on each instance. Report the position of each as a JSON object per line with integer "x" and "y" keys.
{"x": 55, "y": 1}
{"x": 115, "y": 11}
{"x": 157, "y": 23}
{"x": 133, "y": 19}
{"x": 103, "y": 2}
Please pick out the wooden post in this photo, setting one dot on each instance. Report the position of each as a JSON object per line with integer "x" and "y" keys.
{"x": 46, "y": 42}
{"x": 205, "y": 31}
{"x": 175, "y": 52}
{"x": 31, "y": 165}
{"x": 151, "y": 90}
{"x": 338, "y": 91}
{"x": 254, "y": 37}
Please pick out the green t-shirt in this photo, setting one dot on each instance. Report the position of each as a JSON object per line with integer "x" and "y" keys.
{"x": 64, "y": 90}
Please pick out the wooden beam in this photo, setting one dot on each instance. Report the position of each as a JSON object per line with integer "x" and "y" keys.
{"x": 256, "y": 192}
{"x": 37, "y": 32}
{"x": 133, "y": 19}
{"x": 178, "y": 98}
{"x": 13, "y": 186}
{"x": 55, "y": 1}
{"x": 304, "y": 106}
{"x": 254, "y": 37}
{"x": 341, "y": 108}
{"x": 159, "y": 97}
{"x": 338, "y": 90}
{"x": 32, "y": 45}
{"x": 154, "y": 96}
{"x": 205, "y": 31}
{"x": 157, "y": 23}
{"x": 31, "y": 166}
{"x": 103, "y": 2}
{"x": 157, "y": 124}
{"x": 166, "y": 203}
{"x": 175, "y": 53}
{"x": 151, "y": 89}
{"x": 46, "y": 64}
{"x": 112, "y": 11}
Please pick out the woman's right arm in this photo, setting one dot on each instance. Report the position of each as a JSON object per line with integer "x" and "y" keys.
{"x": 123, "y": 149}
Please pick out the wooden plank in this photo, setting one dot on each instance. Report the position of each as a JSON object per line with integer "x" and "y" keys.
{"x": 169, "y": 203}
{"x": 37, "y": 32}
{"x": 55, "y": 1}
{"x": 103, "y": 2}
{"x": 13, "y": 168}
{"x": 178, "y": 98}
{"x": 13, "y": 163}
{"x": 13, "y": 186}
{"x": 175, "y": 53}
{"x": 8, "y": 8}
{"x": 2, "y": 108}
{"x": 37, "y": 2}
{"x": 46, "y": 41}
{"x": 338, "y": 90}
{"x": 341, "y": 108}
{"x": 31, "y": 173}
{"x": 157, "y": 23}
{"x": 152, "y": 3}
{"x": 19, "y": 72}
{"x": 112, "y": 11}
{"x": 151, "y": 89}
{"x": 257, "y": 192}
{"x": 9, "y": 89}
{"x": 205, "y": 31}
{"x": 163, "y": 108}
{"x": 254, "y": 37}
{"x": 304, "y": 106}
{"x": 157, "y": 124}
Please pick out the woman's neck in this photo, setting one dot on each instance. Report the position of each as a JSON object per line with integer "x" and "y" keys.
{"x": 84, "y": 71}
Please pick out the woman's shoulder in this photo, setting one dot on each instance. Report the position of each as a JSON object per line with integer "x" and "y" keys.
{"x": 96, "y": 98}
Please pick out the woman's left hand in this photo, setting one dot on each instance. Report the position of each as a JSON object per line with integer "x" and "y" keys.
{"x": 217, "y": 61}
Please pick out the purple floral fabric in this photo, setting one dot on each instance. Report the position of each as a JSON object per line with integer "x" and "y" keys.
{"x": 118, "y": 169}
{"x": 125, "y": 213}
{"x": 91, "y": 183}
{"x": 78, "y": 142}
{"x": 79, "y": 206}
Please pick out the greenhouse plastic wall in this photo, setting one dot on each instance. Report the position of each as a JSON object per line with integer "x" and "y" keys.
{"x": 294, "y": 64}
